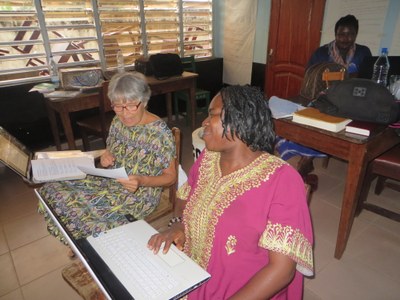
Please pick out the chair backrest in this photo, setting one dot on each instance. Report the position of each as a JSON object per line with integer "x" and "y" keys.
{"x": 313, "y": 84}
{"x": 189, "y": 64}
{"x": 328, "y": 75}
{"x": 105, "y": 101}
{"x": 176, "y": 132}
{"x": 104, "y": 107}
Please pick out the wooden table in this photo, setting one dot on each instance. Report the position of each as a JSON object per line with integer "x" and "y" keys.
{"x": 64, "y": 106}
{"x": 357, "y": 152}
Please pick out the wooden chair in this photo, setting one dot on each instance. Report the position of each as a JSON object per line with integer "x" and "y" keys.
{"x": 384, "y": 166}
{"x": 189, "y": 65}
{"x": 329, "y": 76}
{"x": 168, "y": 197}
{"x": 97, "y": 125}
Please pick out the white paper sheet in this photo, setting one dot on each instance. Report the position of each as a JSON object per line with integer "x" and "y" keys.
{"x": 282, "y": 108}
{"x": 110, "y": 173}
{"x": 60, "y": 168}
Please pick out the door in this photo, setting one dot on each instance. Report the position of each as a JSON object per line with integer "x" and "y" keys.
{"x": 294, "y": 33}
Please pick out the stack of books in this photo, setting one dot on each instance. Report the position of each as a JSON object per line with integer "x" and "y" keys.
{"x": 313, "y": 117}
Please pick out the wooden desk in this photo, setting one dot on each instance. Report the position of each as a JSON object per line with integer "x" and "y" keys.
{"x": 358, "y": 153}
{"x": 64, "y": 106}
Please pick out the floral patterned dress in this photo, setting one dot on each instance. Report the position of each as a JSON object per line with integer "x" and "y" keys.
{"x": 233, "y": 221}
{"x": 95, "y": 204}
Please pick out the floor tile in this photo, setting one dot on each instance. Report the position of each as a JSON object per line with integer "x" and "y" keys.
{"x": 38, "y": 258}
{"x": 21, "y": 205}
{"x": 25, "y": 230}
{"x": 56, "y": 288}
{"x": 348, "y": 279}
{"x": 387, "y": 224}
{"x": 378, "y": 256}
{"x": 15, "y": 184}
{"x": 308, "y": 295}
{"x": 8, "y": 277}
{"x": 14, "y": 295}
{"x": 323, "y": 254}
{"x": 331, "y": 191}
{"x": 3, "y": 242}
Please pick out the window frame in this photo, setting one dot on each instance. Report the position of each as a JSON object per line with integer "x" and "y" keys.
{"x": 100, "y": 59}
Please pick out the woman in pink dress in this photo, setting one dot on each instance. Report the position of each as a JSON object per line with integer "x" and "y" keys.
{"x": 243, "y": 215}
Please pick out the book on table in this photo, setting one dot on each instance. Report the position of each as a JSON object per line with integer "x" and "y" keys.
{"x": 363, "y": 128}
{"x": 313, "y": 117}
{"x": 50, "y": 165}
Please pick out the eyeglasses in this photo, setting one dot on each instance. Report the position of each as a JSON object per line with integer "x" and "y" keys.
{"x": 129, "y": 107}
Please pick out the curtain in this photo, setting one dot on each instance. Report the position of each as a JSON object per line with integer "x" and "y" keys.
{"x": 239, "y": 34}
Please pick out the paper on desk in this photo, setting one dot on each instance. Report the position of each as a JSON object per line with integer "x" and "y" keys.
{"x": 63, "y": 94}
{"x": 45, "y": 87}
{"x": 282, "y": 108}
{"x": 110, "y": 173}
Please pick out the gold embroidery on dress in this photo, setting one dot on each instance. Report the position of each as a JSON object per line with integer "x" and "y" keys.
{"x": 288, "y": 241}
{"x": 183, "y": 191}
{"x": 214, "y": 193}
{"x": 230, "y": 245}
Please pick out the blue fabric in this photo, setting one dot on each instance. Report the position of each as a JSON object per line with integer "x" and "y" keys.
{"x": 322, "y": 55}
{"x": 288, "y": 149}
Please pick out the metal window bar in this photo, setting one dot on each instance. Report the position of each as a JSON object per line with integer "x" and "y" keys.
{"x": 182, "y": 26}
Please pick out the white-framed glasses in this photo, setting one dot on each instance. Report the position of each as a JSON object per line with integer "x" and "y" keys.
{"x": 128, "y": 107}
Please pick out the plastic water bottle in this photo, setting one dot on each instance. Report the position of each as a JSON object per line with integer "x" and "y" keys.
{"x": 381, "y": 68}
{"x": 54, "y": 78}
{"x": 120, "y": 62}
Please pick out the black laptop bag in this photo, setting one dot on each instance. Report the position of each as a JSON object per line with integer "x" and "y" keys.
{"x": 166, "y": 65}
{"x": 359, "y": 99}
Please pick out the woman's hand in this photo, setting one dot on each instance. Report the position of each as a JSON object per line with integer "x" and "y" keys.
{"x": 132, "y": 183}
{"x": 176, "y": 235}
{"x": 107, "y": 159}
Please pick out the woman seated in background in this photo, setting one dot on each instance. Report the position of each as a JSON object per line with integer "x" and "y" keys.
{"x": 242, "y": 215}
{"x": 140, "y": 142}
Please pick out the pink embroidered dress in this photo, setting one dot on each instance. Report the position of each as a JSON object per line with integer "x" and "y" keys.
{"x": 233, "y": 221}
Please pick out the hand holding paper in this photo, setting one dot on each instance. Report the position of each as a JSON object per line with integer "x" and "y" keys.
{"x": 110, "y": 173}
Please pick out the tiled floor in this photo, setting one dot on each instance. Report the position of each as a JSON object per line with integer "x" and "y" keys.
{"x": 31, "y": 261}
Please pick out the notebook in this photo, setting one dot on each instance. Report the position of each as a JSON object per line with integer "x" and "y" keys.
{"x": 102, "y": 255}
{"x": 313, "y": 117}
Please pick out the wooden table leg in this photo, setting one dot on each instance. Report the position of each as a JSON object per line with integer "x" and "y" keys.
{"x": 193, "y": 104}
{"x": 168, "y": 98}
{"x": 66, "y": 121}
{"x": 53, "y": 126}
{"x": 354, "y": 179}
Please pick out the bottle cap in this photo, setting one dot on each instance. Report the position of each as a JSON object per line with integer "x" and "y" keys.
{"x": 384, "y": 50}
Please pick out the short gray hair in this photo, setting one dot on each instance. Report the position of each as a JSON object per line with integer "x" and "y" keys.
{"x": 127, "y": 87}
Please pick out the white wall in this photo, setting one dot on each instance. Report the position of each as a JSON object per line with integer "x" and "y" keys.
{"x": 379, "y": 24}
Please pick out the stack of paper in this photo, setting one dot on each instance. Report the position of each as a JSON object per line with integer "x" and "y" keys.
{"x": 281, "y": 108}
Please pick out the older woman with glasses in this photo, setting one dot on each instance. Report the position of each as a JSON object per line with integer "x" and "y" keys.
{"x": 140, "y": 142}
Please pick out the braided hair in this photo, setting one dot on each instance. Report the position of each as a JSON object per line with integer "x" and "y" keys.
{"x": 246, "y": 116}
